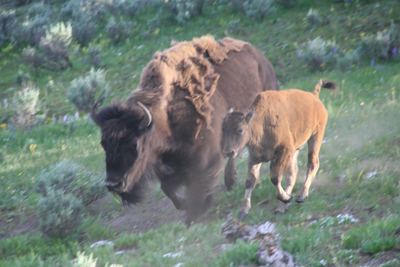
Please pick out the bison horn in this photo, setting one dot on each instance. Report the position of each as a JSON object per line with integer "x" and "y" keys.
{"x": 230, "y": 110}
{"x": 147, "y": 119}
{"x": 93, "y": 113}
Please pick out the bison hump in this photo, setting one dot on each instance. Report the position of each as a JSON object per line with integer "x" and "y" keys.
{"x": 185, "y": 66}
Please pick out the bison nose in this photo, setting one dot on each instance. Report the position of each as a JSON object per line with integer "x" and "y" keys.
{"x": 229, "y": 154}
{"x": 114, "y": 187}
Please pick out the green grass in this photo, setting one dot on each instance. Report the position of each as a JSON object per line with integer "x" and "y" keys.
{"x": 359, "y": 172}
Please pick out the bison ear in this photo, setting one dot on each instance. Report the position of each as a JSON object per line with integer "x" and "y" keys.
{"x": 108, "y": 113}
{"x": 230, "y": 110}
{"x": 250, "y": 115}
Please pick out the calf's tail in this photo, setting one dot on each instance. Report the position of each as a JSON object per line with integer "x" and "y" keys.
{"x": 326, "y": 84}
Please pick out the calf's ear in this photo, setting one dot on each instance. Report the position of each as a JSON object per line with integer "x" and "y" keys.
{"x": 250, "y": 115}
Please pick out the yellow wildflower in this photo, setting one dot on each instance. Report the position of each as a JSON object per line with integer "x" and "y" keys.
{"x": 20, "y": 174}
{"x": 4, "y": 125}
{"x": 8, "y": 187}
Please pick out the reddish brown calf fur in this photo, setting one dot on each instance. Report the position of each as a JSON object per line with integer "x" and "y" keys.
{"x": 278, "y": 124}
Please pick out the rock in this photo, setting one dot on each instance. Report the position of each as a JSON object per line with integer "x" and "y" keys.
{"x": 270, "y": 253}
{"x": 102, "y": 243}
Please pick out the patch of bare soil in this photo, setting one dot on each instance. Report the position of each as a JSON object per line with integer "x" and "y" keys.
{"x": 17, "y": 227}
{"x": 148, "y": 215}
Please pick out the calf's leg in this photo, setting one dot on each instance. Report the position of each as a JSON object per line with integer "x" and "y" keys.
{"x": 278, "y": 166}
{"x": 291, "y": 175}
{"x": 314, "y": 145}
{"x": 251, "y": 180}
{"x": 230, "y": 174}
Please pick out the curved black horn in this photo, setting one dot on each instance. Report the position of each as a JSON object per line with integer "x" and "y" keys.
{"x": 93, "y": 113}
{"x": 147, "y": 119}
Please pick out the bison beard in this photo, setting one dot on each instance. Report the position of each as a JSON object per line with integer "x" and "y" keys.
{"x": 182, "y": 95}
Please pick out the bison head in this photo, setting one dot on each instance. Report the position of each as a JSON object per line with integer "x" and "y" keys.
{"x": 235, "y": 128}
{"x": 124, "y": 128}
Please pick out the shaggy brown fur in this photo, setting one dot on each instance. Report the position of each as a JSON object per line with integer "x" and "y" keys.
{"x": 276, "y": 127}
{"x": 187, "y": 65}
{"x": 186, "y": 89}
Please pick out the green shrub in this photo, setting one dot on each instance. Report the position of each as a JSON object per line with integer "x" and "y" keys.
{"x": 382, "y": 44}
{"x": 313, "y": 18}
{"x": 376, "y": 46}
{"x": 8, "y": 21}
{"x": 22, "y": 77}
{"x": 10, "y": 30}
{"x": 71, "y": 11}
{"x": 59, "y": 177}
{"x": 59, "y": 213}
{"x": 55, "y": 46}
{"x": 317, "y": 53}
{"x": 258, "y": 9}
{"x": 68, "y": 177}
{"x": 36, "y": 28}
{"x": 119, "y": 31}
{"x": 348, "y": 60}
{"x": 94, "y": 56}
{"x": 37, "y": 9}
{"x": 127, "y": 7}
{"x": 85, "y": 90}
{"x": 184, "y": 10}
{"x": 25, "y": 104}
{"x": 33, "y": 57}
{"x": 94, "y": 190}
{"x": 83, "y": 30}
{"x": 53, "y": 51}
{"x": 287, "y": 3}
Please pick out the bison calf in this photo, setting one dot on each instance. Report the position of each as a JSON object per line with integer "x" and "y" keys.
{"x": 278, "y": 124}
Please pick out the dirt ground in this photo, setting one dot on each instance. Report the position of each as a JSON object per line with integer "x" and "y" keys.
{"x": 148, "y": 215}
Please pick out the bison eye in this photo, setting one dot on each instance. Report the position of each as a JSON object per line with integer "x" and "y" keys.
{"x": 240, "y": 130}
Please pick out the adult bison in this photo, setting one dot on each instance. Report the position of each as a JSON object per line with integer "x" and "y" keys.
{"x": 170, "y": 126}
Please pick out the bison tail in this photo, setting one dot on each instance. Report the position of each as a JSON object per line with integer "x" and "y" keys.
{"x": 325, "y": 84}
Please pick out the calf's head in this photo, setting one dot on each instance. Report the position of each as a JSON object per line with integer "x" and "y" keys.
{"x": 124, "y": 129}
{"x": 235, "y": 127}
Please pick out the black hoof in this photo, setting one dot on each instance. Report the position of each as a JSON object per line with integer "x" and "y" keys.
{"x": 286, "y": 201}
{"x": 300, "y": 199}
{"x": 242, "y": 215}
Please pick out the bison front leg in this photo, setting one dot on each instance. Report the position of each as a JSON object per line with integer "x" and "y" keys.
{"x": 200, "y": 191}
{"x": 179, "y": 202}
{"x": 230, "y": 174}
{"x": 251, "y": 180}
{"x": 291, "y": 175}
{"x": 278, "y": 166}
